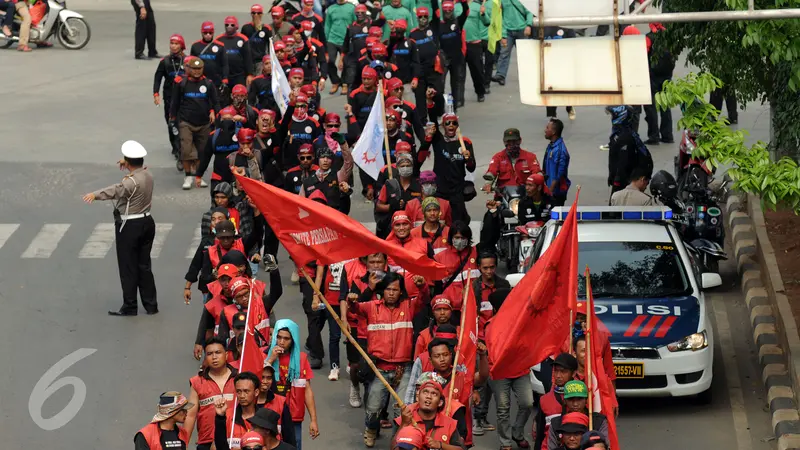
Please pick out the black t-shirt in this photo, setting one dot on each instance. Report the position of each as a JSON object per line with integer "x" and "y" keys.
{"x": 284, "y": 446}
{"x": 170, "y": 439}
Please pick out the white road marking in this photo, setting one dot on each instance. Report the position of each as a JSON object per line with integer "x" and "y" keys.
{"x": 195, "y": 243}
{"x": 740, "y": 423}
{"x": 6, "y": 230}
{"x": 45, "y": 243}
{"x": 162, "y": 230}
{"x": 99, "y": 243}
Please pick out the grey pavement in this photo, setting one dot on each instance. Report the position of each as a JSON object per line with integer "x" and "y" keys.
{"x": 65, "y": 115}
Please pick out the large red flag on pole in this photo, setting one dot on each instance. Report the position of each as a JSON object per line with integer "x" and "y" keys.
{"x": 312, "y": 231}
{"x": 595, "y": 371}
{"x": 533, "y": 322}
{"x": 467, "y": 350}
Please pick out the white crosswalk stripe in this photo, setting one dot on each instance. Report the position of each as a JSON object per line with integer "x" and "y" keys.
{"x": 46, "y": 241}
{"x": 6, "y": 230}
{"x": 99, "y": 243}
{"x": 162, "y": 230}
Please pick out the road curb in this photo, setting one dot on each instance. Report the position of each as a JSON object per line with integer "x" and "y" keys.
{"x": 774, "y": 328}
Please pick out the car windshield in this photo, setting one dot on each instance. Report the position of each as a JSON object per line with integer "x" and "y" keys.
{"x": 632, "y": 269}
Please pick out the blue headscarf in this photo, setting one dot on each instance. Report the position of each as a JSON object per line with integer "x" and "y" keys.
{"x": 294, "y": 357}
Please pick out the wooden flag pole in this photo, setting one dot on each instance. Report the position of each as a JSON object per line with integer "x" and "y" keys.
{"x": 588, "y": 356}
{"x": 385, "y": 132}
{"x": 460, "y": 338}
{"x": 241, "y": 359}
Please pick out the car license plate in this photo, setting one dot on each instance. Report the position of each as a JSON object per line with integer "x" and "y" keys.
{"x": 629, "y": 370}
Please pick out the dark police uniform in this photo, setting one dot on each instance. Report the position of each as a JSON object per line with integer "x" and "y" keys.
{"x": 135, "y": 231}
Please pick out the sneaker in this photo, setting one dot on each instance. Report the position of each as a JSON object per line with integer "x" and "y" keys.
{"x": 203, "y": 183}
{"x": 334, "y": 89}
{"x": 344, "y": 89}
{"x": 667, "y": 141}
{"x": 270, "y": 263}
{"x": 295, "y": 278}
{"x": 314, "y": 362}
{"x": 487, "y": 426}
{"x": 652, "y": 142}
{"x": 334, "y": 375}
{"x": 572, "y": 114}
{"x": 481, "y": 99}
{"x": 355, "y": 397}
{"x": 477, "y": 428}
{"x": 187, "y": 183}
{"x": 369, "y": 437}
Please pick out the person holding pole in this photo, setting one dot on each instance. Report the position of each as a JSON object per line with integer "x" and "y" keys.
{"x": 389, "y": 340}
{"x": 429, "y": 410}
{"x": 551, "y": 404}
{"x": 576, "y": 397}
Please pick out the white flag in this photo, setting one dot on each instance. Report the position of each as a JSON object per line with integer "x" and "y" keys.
{"x": 368, "y": 151}
{"x": 280, "y": 85}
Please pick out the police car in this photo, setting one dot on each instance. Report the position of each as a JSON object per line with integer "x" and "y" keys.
{"x": 648, "y": 290}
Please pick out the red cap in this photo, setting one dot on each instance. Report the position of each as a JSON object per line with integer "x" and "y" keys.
{"x": 631, "y": 30}
{"x": 239, "y": 283}
{"x": 332, "y": 117}
{"x": 372, "y": 40}
{"x": 423, "y": 11}
{"x": 296, "y": 72}
{"x": 449, "y": 116}
{"x": 239, "y": 89}
{"x": 441, "y": 302}
{"x": 278, "y": 11}
{"x": 278, "y": 46}
{"x": 401, "y": 24}
{"x": 379, "y": 49}
{"x": 375, "y": 32}
{"x": 369, "y": 73}
{"x": 265, "y": 58}
{"x": 232, "y": 20}
{"x": 309, "y": 90}
{"x": 536, "y": 178}
{"x": 305, "y": 149}
{"x": 187, "y": 60}
{"x": 448, "y": 6}
{"x": 393, "y": 113}
{"x": 179, "y": 39}
{"x": 301, "y": 98}
{"x": 409, "y": 438}
{"x": 227, "y": 111}
{"x": 308, "y": 2}
{"x": 207, "y": 27}
{"x": 246, "y": 135}
{"x": 227, "y": 270}
{"x": 361, "y": 8}
{"x": 251, "y": 437}
{"x": 289, "y": 39}
{"x": 392, "y": 83}
{"x": 318, "y": 196}
{"x": 307, "y": 25}
{"x": 391, "y": 102}
{"x": 267, "y": 112}
{"x": 256, "y": 8}
{"x": 433, "y": 384}
{"x": 402, "y": 147}
{"x": 576, "y": 418}
{"x": 400, "y": 217}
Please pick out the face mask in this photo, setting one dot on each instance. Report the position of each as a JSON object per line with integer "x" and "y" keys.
{"x": 513, "y": 150}
{"x": 329, "y": 131}
{"x": 459, "y": 243}
{"x": 405, "y": 172}
{"x": 429, "y": 189}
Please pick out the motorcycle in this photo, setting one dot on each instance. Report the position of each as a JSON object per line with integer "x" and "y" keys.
{"x": 69, "y": 27}
{"x": 692, "y": 172}
{"x": 509, "y": 242}
{"x": 529, "y": 233}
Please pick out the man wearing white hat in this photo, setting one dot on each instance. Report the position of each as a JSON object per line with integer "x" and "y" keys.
{"x": 135, "y": 230}
{"x": 163, "y": 432}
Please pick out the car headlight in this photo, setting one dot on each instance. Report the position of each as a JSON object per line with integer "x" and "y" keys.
{"x": 514, "y": 205}
{"x": 693, "y": 342}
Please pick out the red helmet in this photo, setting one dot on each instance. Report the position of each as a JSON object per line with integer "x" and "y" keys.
{"x": 449, "y": 117}
{"x": 239, "y": 89}
{"x": 227, "y": 111}
{"x": 361, "y": 8}
{"x": 278, "y": 11}
{"x": 392, "y": 83}
{"x": 375, "y": 32}
{"x": 305, "y": 149}
{"x": 267, "y": 112}
{"x": 289, "y": 40}
{"x": 307, "y": 25}
{"x": 332, "y": 117}
{"x": 301, "y": 98}
{"x": 448, "y": 5}
{"x": 246, "y": 136}
{"x": 423, "y": 11}
{"x": 391, "y": 112}
{"x": 179, "y": 39}
{"x": 296, "y": 72}
{"x": 391, "y": 102}
{"x": 207, "y": 27}
{"x": 309, "y": 90}
{"x": 371, "y": 40}
{"x": 279, "y": 46}
{"x": 402, "y": 147}
{"x": 256, "y": 8}
{"x": 369, "y": 73}
{"x": 378, "y": 49}
{"x": 401, "y": 24}
{"x": 536, "y": 178}
{"x": 232, "y": 20}
{"x": 308, "y": 2}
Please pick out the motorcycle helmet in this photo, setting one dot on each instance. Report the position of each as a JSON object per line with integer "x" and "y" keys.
{"x": 663, "y": 185}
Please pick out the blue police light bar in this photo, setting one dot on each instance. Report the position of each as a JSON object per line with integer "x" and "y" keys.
{"x": 609, "y": 213}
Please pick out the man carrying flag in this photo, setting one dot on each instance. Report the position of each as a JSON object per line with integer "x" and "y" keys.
{"x": 575, "y": 400}
{"x": 280, "y": 85}
{"x": 368, "y": 151}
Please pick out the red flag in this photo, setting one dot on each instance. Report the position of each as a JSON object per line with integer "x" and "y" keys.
{"x": 533, "y": 322}
{"x": 252, "y": 358}
{"x": 468, "y": 344}
{"x": 312, "y": 231}
{"x": 608, "y": 394}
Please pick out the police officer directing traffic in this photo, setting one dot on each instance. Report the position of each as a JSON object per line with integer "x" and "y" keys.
{"x": 135, "y": 230}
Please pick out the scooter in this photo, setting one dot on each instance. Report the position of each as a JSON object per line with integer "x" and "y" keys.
{"x": 529, "y": 233}
{"x": 692, "y": 172}
{"x": 508, "y": 244}
{"x": 69, "y": 27}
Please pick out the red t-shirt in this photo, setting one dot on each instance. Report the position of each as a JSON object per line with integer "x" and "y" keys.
{"x": 296, "y": 391}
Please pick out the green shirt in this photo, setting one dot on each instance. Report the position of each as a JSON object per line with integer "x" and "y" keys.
{"x": 337, "y": 19}
{"x": 476, "y": 27}
{"x": 392, "y": 13}
{"x": 515, "y": 16}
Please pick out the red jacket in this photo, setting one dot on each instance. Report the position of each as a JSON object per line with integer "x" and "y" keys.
{"x": 411, "y": 243}
{"x": 513, "y": 175}
{"x": 389, "y": 330}
{"x": 416, "y": 216}
{"x": 438, "y": 240}
{"x": 452, "y": 259}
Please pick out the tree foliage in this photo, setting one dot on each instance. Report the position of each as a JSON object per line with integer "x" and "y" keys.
{"x": 776, "y": 182}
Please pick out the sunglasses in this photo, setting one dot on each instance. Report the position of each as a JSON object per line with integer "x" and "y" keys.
{"x": 306, "y": 158}
{"x": 256, "y": 14}
{"x": 208, "y": 32}
{"x": 423, "y": 17}
{"x": 300, "y": 106}
{"x": 255, "y": 447}
{"x": 230, "y": 25}
{"x": 451, "y": 123}
{"x": 392, "y": 118}
{"x": 333, "y": 125}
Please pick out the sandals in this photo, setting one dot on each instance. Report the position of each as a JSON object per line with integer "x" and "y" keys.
{"x": 24, "y": 48}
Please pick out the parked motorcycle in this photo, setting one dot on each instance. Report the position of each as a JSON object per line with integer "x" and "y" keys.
{"x": 509, "y": 242}
{"x": 692, "y": 172}
{"x": 69, "y": 27}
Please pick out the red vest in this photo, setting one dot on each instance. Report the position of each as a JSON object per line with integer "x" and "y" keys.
{"x": 437, "y": 240}
{"x": 277, "y": 404}
{"x": 216, "y": 304}
{"x": 425, "y": 337}
{"x": 355, "y": 270}
{"x": 443, "y": 427}
{"x": 208, "y": 391}
{"x": 389, "y": 330}
{"x": 152, "y": 434}
{"x": 216, "y": 252}
{"x": 233, "y": 309}
{"x": 551, "y": 408}
{"x": 417, "y": 217}
{"x": 352, "y": 317}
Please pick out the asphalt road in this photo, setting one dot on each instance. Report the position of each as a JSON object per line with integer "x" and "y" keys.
{"x": 65, "y": 115}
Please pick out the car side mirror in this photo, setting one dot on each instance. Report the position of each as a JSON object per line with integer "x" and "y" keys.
{"x": 711, "y": 280}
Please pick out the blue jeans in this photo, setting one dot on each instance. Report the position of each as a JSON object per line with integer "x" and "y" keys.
{"x": 298, "y": 434}
{"x": 524, "y": 392}
{"x": 378, "y": 395}
{"x": 334, "y": 336}
{"x": 505, "y": 52}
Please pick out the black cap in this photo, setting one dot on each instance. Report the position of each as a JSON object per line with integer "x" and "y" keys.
{"x": 325, "y": 152}
{"x": 239, "y": 320}
{"x": 511, "y": 134}
{"x": 566, "y": 361}
{"x": 267, "y": 419}
{"x": 592, "y": 437}
{"x": 225, "y": 228}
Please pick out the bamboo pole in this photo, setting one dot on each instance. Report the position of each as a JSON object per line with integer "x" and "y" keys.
{"x": 385, "y": 131}
{"x": 460, "y": 338}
